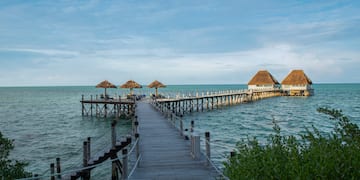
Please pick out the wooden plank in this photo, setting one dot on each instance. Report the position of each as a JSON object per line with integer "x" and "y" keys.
{"x": 165, "y": 154}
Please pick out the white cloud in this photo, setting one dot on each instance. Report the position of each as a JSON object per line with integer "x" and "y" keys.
{"x": 48, "y": 52}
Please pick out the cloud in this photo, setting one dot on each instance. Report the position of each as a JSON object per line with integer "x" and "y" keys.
{"x": 48, "y": 52}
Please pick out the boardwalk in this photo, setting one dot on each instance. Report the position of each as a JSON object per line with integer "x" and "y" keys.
{"x": 165, "y": 154}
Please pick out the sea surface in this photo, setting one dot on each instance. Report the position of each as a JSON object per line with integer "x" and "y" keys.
{"x": 46, "y": 122}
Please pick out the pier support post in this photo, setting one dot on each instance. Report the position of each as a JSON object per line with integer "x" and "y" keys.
{"x": 58, "y": 168}
{"x": 52, "y": 171}
{"x": 91, "y": 105}
{"x": 181, "y": 126}
{"x": 36, "y": 177}
{"x": 232, "y": 154}
{"x": 207, "y": 147}
{"x": 125, "y": 164}
{"x": 88, "y": 148}
{"x": 85, "y": 173}
{"x": 195, "y": 146}
{"x": 82, "y": 105}
{"x": 113, "y": 134}
{"x": 192, "y": 126}
{"x": 85, "y": 160}
{"x": 137, "y": 136}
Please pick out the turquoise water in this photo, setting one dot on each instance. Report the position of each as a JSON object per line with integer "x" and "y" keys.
{"x": 46, "y": 122}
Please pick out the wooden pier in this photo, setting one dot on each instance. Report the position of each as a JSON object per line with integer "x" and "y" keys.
{"x": 161, "y": 151}
{"x": 101, "y": 107}
{"x": 183, "y": 105}
{"x": 165, "y": 153}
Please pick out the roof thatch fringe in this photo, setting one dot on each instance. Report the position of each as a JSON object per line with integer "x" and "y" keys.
{"x": 263, "y": 77}
{"x": 296, "y": 77}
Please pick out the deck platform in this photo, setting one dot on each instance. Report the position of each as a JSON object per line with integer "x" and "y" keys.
{"x": 165, "y": 154}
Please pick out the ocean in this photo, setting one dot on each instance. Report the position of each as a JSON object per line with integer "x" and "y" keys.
{"x": 46, "y": 122}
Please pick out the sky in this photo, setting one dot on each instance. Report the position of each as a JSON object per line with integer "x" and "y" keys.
{"x": 68, "y": 42}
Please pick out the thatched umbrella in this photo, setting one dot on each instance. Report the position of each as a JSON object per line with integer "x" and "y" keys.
{"x": 156, "y": 84}
{"x": 105, "y": 84}
{"x": 131, "y": 85}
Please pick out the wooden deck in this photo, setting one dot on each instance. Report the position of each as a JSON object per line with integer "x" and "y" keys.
{"x": 165, "y": 154}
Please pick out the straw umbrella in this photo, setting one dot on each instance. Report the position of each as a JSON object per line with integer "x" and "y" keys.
{"x": 156, "y": 84}
{"x": 131, "y": 85}
{"x": 105, "y": 84}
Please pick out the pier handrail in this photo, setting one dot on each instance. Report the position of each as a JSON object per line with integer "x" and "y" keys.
{"x": 90, "y": 167}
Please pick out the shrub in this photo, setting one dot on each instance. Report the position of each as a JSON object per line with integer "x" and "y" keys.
{"x": 10, "y": 169}
{"x": 313, "y": 156}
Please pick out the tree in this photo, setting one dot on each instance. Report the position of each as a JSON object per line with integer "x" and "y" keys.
{"x": 10, "y": 169}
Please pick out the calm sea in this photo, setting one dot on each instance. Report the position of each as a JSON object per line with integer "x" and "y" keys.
{"x": 46, "y": 122}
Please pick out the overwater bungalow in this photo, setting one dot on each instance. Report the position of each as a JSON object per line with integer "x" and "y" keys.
{"x": 263, "y": 80}
{"x": 297, "y": 83}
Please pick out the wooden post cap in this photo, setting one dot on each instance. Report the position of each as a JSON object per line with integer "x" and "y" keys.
{"x": 124, "y": 151}
{"x": 207, "y": 134}
{"x": 128, "y": 139}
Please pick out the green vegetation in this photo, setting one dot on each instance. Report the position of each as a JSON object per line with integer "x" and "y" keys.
{"x": 10, "y": 169}
{"x": 313, "y": 156}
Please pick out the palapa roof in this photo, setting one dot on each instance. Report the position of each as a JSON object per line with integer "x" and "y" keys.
{"x": 263, "y": 77}
{"x": 131, "y": 84}
{"x": 105, "y": 84}
{"x": 296, "y": 77}
{"x": 156, "y": 84}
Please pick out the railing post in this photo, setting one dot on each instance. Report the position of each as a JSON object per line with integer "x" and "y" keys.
{"x": 181, "y": 126}
{"x": 52, "y": 171}
{"x": 125, "y": 164}
{"x": 82, "y": 105}
{"x": 85, "y": 160}
{"x": 88, "y": 148}
{"x": 195, "y": 150}
{"x": 133, "y": 124}
{"x": 207, "y": 147}
{"x": 136, "y": 123}
{"x": 137, "y": 136}
{"x": 58, "y": 168}
{"x": 113, "y": 134}
{"x": 91, "y": 105}
{"x": 192, "y": 126}
{"x": 232, "y": 154}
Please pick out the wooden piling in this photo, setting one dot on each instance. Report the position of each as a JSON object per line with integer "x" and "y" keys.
{"x": 82, "y": 105}
{"x": 181, "y": 126}
{"x": 113, "y": 134}
{"x": 137, "y": 139}
{"x": 88, "y": 148}
{"x": 232, "y": 154}
{"x": 125, "y": 164}
{"x": 85, "y": 159}
{"x": 91, "y": 105}
{"x": 207, "y": 147}
{"x": 52, "y": 171}
{"x": 192, "y": 126}
{"x": 58, "y": 168}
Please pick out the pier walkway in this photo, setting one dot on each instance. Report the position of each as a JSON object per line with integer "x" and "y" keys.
{"x": 165, "y": 154}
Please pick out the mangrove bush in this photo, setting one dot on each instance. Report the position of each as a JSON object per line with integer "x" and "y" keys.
{"x": 312, "y": 155}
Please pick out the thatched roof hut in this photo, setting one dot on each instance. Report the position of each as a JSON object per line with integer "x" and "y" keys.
{"x": 296, "y": 77}
{"x": 105, "y": 84}
{"x": 263, "y": 77}
{"x": 296, "y": 83}
{"x": 131, "y": 85}
{"x": 156, "y": 84}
